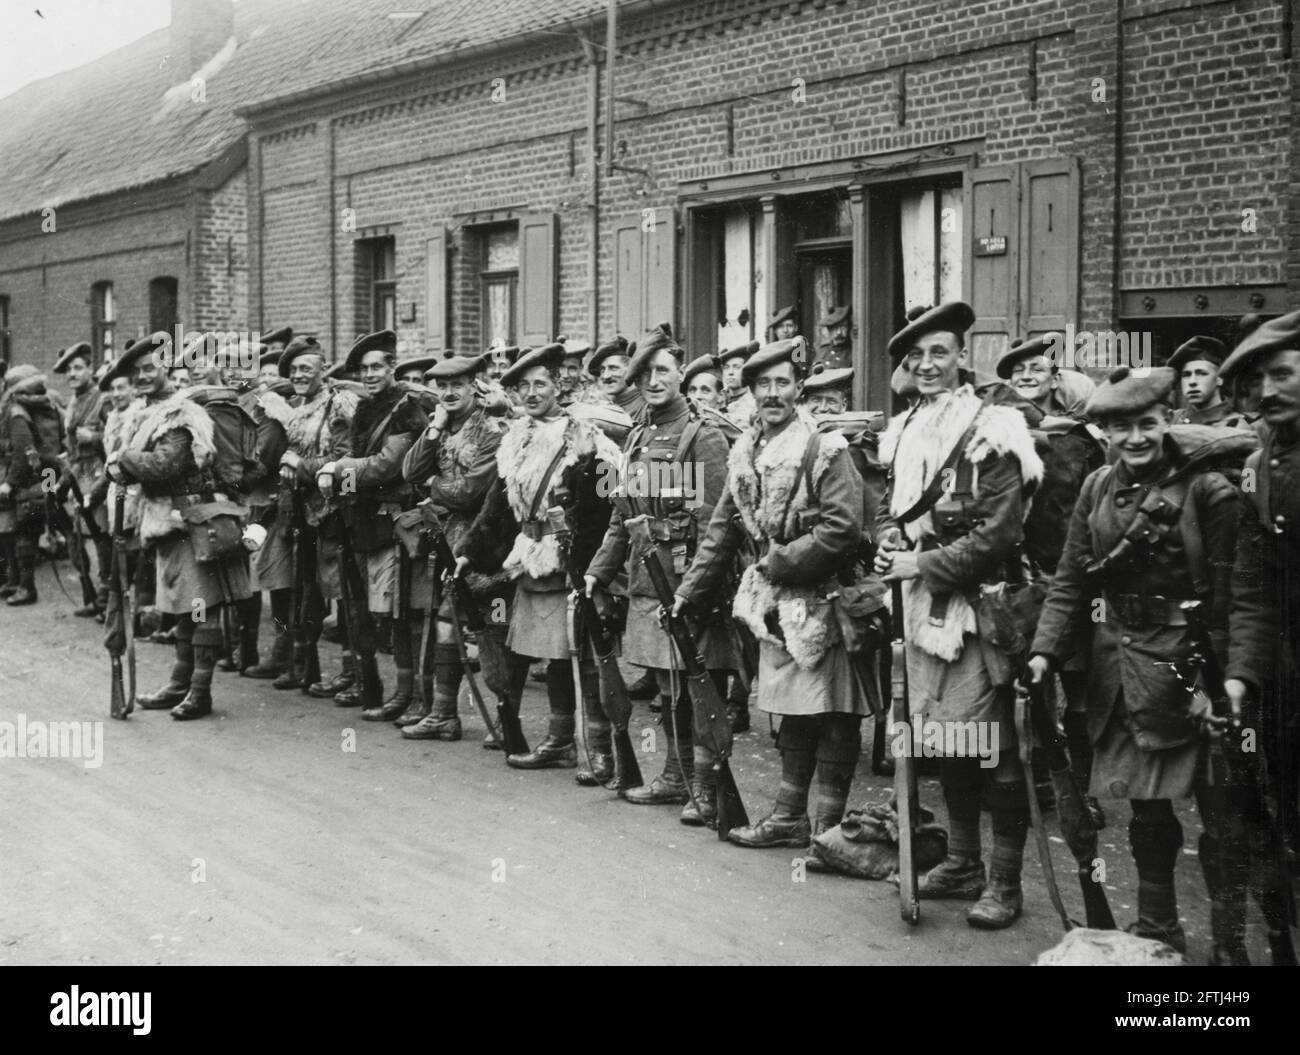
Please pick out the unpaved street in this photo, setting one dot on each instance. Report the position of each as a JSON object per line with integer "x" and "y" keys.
{"x": 254, "y": 837}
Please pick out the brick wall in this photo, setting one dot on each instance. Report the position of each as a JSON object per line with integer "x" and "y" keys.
{"x": 1204, "y": 135}
{"x": 127, "y": 240}
{"x": 221, "y": 262}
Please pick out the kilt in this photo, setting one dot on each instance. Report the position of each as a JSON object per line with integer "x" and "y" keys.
{"x": 1122, "y": 770}
{"x": 647, "y": 644}
{"x": 784, "y": 687}
{"x": 272, "y": 565}
{"x": 382, "y": 566}
{"x": 539, "y": 626}
{"x": 960, "y": 691}
{"x": 180, "y": 580}
{"x": 327, "y": 568}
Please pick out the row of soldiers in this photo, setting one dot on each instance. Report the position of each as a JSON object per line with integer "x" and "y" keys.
{"x": 768, "y": 504}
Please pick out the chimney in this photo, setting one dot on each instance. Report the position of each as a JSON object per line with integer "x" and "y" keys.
{"x": 200, "y": 28}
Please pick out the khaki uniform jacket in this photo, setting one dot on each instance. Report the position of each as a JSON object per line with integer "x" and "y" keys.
{"x": 1145, "y": 663}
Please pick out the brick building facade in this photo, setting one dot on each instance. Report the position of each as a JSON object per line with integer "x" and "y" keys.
{"x": 1112, "y": 165}
{"x": 124, "y": 192}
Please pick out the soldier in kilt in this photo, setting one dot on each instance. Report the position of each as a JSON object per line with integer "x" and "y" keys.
{"x": 1143, "y": 718}
{"x": 547, "y": 459}
{"x": 368, "y": 485}
{"x": 170, "y": 456}
{"x": 31, "y": 432}
{"x": 85, "y": 441}
{"x": 798, "y": 497}
{"x": 960, "y": 473}
{"x": 453, "y": 464}
{"x": 316, "y": 422}
{"x": 671, "y": 475}
{"x": 1263, "y": 672}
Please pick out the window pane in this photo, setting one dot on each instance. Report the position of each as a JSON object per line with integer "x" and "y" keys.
{"x": 386, "y": 309}
{"x": 916, "y": 232}
{"x": 385, "y": 259}
{"x": 821, "y": 216}
{"x": 108, "y": 314}
{"x": 950, "y": 244}
{"x": 499, "y": 310}
{"x": 502, "y": 249}
{"x": 737, "y": 279}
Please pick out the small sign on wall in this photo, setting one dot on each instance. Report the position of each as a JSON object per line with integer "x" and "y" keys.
{"x": 408, "y": 312}
{"x": 991, "y": 245}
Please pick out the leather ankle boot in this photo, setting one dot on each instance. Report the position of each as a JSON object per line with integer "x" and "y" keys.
{"x": 555, "y": 752}
{"x": 327, "y": 689}
{"x": 1000, "y": 905}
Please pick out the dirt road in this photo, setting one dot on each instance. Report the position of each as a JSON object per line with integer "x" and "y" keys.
{"x": 254, "y": 836}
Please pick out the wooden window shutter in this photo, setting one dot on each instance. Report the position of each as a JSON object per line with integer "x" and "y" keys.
{"x": 992, "y": 212}
{"x": 660, "y": 280}
{"x": 537, "y": 278}
{"x": 435, "y": 291}
{"x": 629, "y": 272}
{"x": 1049, "y": 252}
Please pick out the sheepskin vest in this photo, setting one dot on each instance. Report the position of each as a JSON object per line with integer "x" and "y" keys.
{"x": 526, "y": 452}
{"x": 158, "y": 419}
{"x": 916, "y": 445}
{"x": 770, "y": 490}
{"x": 119, "y": 427}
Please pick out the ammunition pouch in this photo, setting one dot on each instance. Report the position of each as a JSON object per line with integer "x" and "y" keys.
{"x": 612, "y": 610}
{"x": 413, "y": 533}
{"x": 537, "y": 529}
{"x": 670, "y": 529}
{"x": 1135, "y": 610}
{"x": 1006, "y": 615}
{"x": 863, "y": 620}
{"x": 955, "y": 517}
{"x": 369, "y": 526}
{"x": 215, "y": 529}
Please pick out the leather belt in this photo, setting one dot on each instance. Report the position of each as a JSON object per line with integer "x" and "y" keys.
{"x": 1136, "y": 610}
{"x": 536, "y": 529}
{"x": 664, "y": 530}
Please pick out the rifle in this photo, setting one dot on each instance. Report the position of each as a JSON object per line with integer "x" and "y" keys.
{"x": 1076, "y": 821}
{"x": 731, "y": 811}
{"x": 1236, "y": 788}
{"x": 96, "y": 532}
{"x": 121, "y": 704}
{"x": 298, "y": 593}
{"x": 361, "y": 626}
{"x": 905, "y": 785}
{"x": 495, "y": 663}
{"x": 614, "y": 699}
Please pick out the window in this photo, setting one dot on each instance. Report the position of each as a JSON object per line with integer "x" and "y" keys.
{"x": 499, "y": 284}
{"x": 377, "y": 283}
{"x": 645, "y": 254}
{"x": 103, "y": 314}
{"x": 163, "y": 294}
{"x": 4, "y": 330}
{"x": 823, "y": 251}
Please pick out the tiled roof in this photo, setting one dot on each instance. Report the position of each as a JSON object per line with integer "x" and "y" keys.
{"x": 122, "y": 121}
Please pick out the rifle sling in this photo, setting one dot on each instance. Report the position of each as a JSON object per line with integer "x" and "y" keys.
{"x": 544, "y": 488}
{"x": 934, "y": 489}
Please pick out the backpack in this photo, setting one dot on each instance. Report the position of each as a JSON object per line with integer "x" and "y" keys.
{"x": 1070, "y": 453}
{"x": 863, "y": 450}
{"x": 234, "y": 435}
{"x": 47, "y": 431}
